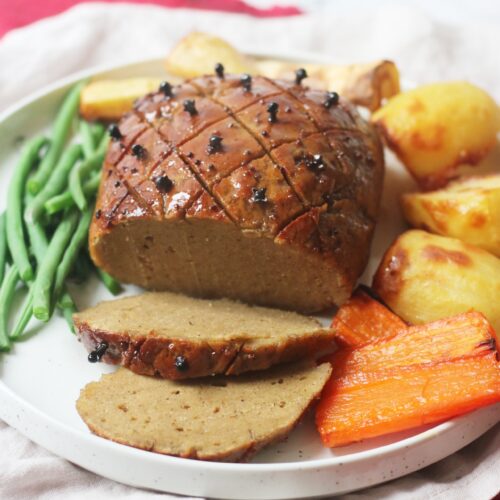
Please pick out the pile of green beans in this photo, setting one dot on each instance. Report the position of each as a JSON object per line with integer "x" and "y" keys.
{"x": 44, "y": 230}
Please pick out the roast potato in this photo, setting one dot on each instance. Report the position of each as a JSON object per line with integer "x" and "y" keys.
{"x": 109, "y": 99}
{"x": 467, "y": 209}
{"x": 435, "y": 128}
{"x": 197, "y": 53}
{"x": 424, "y": 277}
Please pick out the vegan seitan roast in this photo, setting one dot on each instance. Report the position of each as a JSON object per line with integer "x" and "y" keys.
{"x": 243, "y": 187}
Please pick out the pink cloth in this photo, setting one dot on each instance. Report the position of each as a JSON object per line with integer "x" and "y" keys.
{"x": 22, "y": 12}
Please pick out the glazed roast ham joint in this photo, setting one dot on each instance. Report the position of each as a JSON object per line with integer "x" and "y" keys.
{"x": 241, "y": 187}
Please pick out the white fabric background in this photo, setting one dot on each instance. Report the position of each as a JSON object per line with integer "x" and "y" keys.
{"x": 427, "y": 45}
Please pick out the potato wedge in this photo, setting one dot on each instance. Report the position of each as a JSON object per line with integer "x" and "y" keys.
{"x": 197, "y": 53}
{"x": 109, "y": 99}
{"x": 437, "y": 127}
{"x": 424, "y": 277}
{"x": 467, "y": 209}
{"x": 364, "y": 84}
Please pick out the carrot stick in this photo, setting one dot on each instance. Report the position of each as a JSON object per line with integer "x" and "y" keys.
{"x": 363, "y": 319}
{"x": 464, "y": 335}
{"x": 366, "y": 405}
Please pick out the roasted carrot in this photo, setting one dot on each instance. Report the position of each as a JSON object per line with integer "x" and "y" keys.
{"x": 408, "y": 376}
{"x": 363, "y": 319}
{"x": 464, "y": 335}
{"x": 366, "y": 405}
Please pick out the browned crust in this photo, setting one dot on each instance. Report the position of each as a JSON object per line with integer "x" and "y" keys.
{"x": 156, "y": 356}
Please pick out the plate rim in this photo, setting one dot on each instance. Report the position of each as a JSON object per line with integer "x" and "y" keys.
{"x": 250, "y": 468}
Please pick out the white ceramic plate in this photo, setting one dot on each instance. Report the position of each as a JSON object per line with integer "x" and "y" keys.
{"x": 41, "y": 378}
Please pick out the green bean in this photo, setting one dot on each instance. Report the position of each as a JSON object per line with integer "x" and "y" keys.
{"x": 45, "y": 277}
{"x": 38, "y": 241}
{"x": 24, "y": 317}
{"x": 36, "y": 236}
{"x": 98, "y": 131}
{"x": 15, "y": 229}
{"x": 109, "y": 282}
{"x": 71, "y": 254}
{"x": 3, "y": 246}
{"x": 62, "y": 127}
{"x": 68, "y": 312}
{"x": 78, "y": 173}
{"x": 38, "y": 245}
{"x": 6, "y": 295}
{"x": 65, "y": 200}
{"x": 87, "y": 139}
{"x": 56, "y": 183}
{"x": 66, "y": 304}
{"x": 65, "y": 301}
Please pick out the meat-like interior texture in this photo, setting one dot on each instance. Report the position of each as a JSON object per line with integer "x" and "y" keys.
{"x": 224, "y": 419}
{"x": 179, "y": 210}
{"x": 207, "y": 258}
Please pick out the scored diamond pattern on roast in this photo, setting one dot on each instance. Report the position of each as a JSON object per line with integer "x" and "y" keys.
{"x": 151, "y": 197}
{"x": 130, "y": 127}
{"x": 149, "y": 107}
{"x": 237, "y": 148}
{"x": 169, "y": 117}
{"x": 152, "y": 150}
{"x": 232, "y": 93}
{"x": 356, "y": 155}
{"x": 311, "y": 167}
{"x": 111, "y": 193}
{"x": 131, "y": 208}
{"x": 205, "y": 207}
{"x": 257, "y": 197}
{"x": 290, "y": 140}
{"x": 176, "y": 187}
{"x": 291, "y": 122}
{"x": 335, "y": 116}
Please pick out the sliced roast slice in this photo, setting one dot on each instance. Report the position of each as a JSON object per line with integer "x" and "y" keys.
{"x": 219, "y": 419}
{"x": 154, "y": 332}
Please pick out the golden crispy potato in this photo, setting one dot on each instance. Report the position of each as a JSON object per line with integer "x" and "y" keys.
{"x": 197, "y": 53}
{"x": 109, "y": 99}
{"x": 437, "y": 127}
{"x": 364, "y": 84}
{"x": 467, "y": 209}
{"x": 424, "y": 277}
